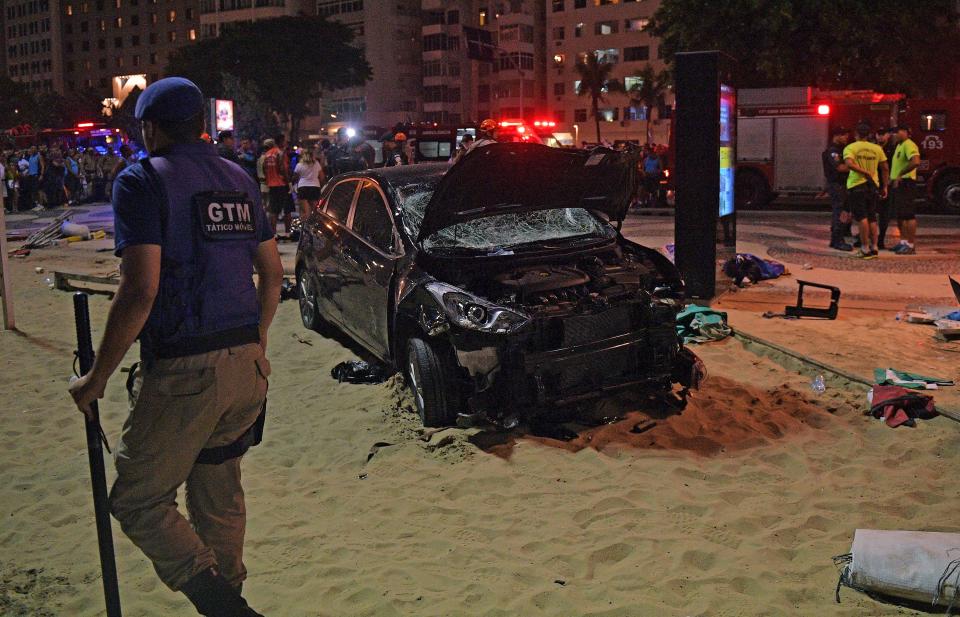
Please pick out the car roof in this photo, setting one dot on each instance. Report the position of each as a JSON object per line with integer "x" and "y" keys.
{"x": 403, "y": 175}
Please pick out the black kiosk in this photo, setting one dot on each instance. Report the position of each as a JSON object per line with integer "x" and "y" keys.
{"x": 705, "y": 138}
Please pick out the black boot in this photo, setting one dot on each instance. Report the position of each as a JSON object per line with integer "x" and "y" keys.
{"x": 214, "y": 597}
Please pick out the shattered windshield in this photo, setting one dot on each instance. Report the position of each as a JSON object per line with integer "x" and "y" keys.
{"x": 498, "y": 231}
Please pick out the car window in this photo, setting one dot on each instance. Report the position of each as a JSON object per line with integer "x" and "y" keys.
{"x": 338, "y": 204}
{"x": 371, "y": 221}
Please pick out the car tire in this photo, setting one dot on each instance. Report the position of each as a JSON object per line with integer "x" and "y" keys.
{"x": 432, "y": 384}
{"x": 307, "y": 298}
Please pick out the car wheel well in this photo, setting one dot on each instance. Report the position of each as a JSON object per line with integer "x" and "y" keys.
{"x": 404, "y": 329}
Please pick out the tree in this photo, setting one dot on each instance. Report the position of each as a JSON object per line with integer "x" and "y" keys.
{"x": 285, "y": 61}
{"x": 823, "y": 43}
{"x": 18, "y": 105}
{"x": 649, "y": 92}
{"x": 251, "y": 116}
{"x": 595, "y": 82}
{"x": 123, "y": 116}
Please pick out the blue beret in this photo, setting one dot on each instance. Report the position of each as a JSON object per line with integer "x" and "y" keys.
{"x": 172, "y": 99}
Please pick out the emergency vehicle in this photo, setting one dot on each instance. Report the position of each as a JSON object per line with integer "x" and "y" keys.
{"x": 935, "y": 127}
{"x": 782, "y": 132}
{"x": 96, "y": 135}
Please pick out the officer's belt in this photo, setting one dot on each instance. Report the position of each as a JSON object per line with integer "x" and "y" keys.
{"x": 208, "y": 342}
{"x": 252, "y": 437}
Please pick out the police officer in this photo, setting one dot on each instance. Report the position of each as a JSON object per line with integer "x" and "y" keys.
{"x": 887, "y": 140}
{"x": 835, "y": 176}
{"x": 190, "y": 231}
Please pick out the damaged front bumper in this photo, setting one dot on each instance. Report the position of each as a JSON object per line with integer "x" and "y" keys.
{"x": 508, "y": 375}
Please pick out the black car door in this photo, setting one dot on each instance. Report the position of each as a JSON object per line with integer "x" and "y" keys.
{"x": 323, "y": 260}
{"x": 369, "y": 254}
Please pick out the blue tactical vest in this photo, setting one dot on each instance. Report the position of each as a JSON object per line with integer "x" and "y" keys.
{"x": 212, "y": 226}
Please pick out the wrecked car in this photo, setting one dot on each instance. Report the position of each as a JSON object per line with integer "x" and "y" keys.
{"x": 499, "y": 285}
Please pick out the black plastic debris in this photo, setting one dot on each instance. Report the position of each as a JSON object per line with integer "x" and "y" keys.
{"x": 288, "y": 290}
{"x": 358, "y": 371}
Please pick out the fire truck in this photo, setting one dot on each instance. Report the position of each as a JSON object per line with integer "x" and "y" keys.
{"x": 935, "y": 126}
{"x": 782, "y": 132}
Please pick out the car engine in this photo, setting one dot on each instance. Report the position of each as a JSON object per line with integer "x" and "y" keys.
{"x": 590, "y": 284}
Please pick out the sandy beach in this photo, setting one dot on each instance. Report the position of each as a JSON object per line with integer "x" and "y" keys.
{"x": 733, "y": 507}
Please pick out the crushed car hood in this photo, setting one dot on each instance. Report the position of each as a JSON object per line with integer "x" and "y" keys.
{"x": 519, "y": 177}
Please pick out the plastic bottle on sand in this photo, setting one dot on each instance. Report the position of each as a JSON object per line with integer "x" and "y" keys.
{"x": 818, "y": 385}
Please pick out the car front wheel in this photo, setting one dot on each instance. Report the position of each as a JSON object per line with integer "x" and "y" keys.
{"x": 431, "y": 381}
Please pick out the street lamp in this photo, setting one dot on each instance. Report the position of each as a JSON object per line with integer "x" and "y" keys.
{"x": 576, "y": 134}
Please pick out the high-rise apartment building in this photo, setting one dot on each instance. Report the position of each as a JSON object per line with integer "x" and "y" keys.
{"x": 457, "y": 89}
{"x": 113, "y": 46}
{"x": 31, "y": 43}
{"x": 214, "y": 14}
{"x": 518, "y": 80}
{"x": 616, "y": 31}
{"x": 388, "y": 32}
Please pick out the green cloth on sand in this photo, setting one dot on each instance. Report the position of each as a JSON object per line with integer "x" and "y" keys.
{"x": 701, "y": 324}
{"x": 891, "y": 377}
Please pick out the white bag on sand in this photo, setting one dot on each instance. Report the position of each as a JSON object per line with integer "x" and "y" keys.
{"x": 69, "y": 229}
{"x": 918, "y": 566}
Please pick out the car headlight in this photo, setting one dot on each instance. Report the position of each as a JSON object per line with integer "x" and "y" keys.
{"x": 473, "y": 313}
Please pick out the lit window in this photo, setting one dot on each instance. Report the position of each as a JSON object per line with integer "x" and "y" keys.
{"x": 69, "y": 9}
{"x": 172, "y": 16}
{"x": 192, "y": 35}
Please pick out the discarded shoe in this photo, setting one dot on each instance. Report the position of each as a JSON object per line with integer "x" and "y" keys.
{"x": 213, "y": 596}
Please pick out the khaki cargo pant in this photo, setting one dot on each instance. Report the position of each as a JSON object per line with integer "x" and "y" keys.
{"x": 178, "y": 407}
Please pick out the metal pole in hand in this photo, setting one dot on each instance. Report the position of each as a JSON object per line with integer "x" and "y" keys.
{"x": 6, "y": 278}
{"x": 98, "y": 476}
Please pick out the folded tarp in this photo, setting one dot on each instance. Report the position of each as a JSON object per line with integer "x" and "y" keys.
{"x": 701, "y": 324}
{"x": 917, "y": 566}
{"x": 891, "y": 377}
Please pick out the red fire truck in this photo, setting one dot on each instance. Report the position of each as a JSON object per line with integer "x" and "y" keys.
{"x": 782, "y": 132}
{"x": 935, "y": 126}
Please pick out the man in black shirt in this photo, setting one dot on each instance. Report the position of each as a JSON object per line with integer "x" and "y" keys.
{"x": 835, "y": 177}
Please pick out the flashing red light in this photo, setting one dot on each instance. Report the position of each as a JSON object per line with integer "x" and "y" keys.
{"x": 537, "y": 123}
{"x": 502, "y": 123}
{"x": 84, "y": 125}
{"x": 823, "y": 110}
{"x": 552, "y": 123}
{"x": 521, "y": 129}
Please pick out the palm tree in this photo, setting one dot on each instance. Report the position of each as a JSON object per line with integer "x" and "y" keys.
{"x": 648, "y": 91}
{"x": 595, "y": 82}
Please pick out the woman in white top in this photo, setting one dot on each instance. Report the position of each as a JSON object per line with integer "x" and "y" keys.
{"x": 310, "y": 177}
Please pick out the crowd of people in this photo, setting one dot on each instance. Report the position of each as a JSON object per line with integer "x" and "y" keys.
{"x": 290, "y": 177}
{"x": 43, "y": 177}
{"x": 871, "y": 180}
